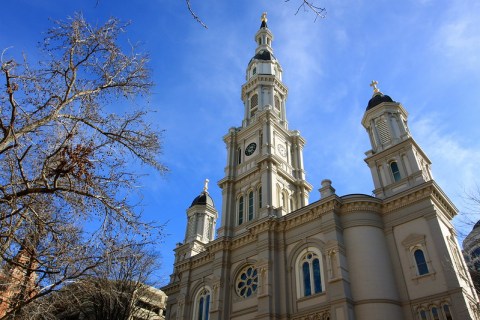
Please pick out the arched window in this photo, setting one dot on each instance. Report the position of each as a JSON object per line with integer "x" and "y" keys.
{"x": 253, "y": 104}
{"x": 423, "y": 315}
{"x": 446, "y": 312}
{"x": 254, "y": 71}
{"x": 260, "y": 204}
{"x": 203, "y": 305}
{"x": 420, "y": 261}
{"x": 395, "y": 171}
{"x": 435, "y": 315}
{"x": 311, "y": 274}
{"x": 277, "y": 103}
{"x": 250, "y": 205}
{"x": 240, "y": 210}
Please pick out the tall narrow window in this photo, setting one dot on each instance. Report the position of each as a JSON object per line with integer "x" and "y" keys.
{"x": 239, "y": 155}
{"x": 277, "y": 103}
{"x": 423, "y": 315}
{"x": 240, "y": 210}
{"x": 446, "y": 312}
{"x": 420, "y": 261}
{"x": 395, "y": 171}
{"x": 260, "y": 204}
{"x": 203, "y": 308}
{"x": 253, "y": 104}
{"x": 250, "y": 206}
{"x": 210, "y": 229}
{"x": 435, "y": 315}
{"x": 311, "y": 274}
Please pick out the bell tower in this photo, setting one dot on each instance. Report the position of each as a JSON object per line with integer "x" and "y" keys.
{"x": 264, "y": 174}
{"x": 395, "y": 160}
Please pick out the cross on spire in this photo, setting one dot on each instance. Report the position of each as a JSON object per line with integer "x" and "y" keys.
{"x": 205, "y": 186}
{"x": 264, "y": 17}
{"x": 374, "y": 86}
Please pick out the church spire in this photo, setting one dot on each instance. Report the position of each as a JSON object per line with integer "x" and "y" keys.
{"x": 264, "y": 88}
{"x": 264, "y": 36}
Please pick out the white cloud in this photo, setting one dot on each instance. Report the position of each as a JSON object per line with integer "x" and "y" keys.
{"x": 458, "y": 38}
{"x": 454, "y": 159}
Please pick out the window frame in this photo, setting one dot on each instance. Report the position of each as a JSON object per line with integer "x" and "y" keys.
{"x": 422, "y": 265}
{"x": 240, "y": 210}
{"x": 250, "y": 206}
{"x": 300, "y": 264}
{"x": 396, "y": 174}
{"x": 200, "y": 312}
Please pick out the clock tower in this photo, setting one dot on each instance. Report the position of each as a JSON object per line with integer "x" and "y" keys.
{"x": 264, "y": 174}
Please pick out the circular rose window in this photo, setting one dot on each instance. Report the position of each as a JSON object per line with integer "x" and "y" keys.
{"x": 247, "y": 282}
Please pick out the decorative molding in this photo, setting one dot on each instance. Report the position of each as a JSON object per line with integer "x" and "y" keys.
{"x": 317, "y": 315}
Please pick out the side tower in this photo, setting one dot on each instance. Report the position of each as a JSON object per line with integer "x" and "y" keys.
{"x": 201, "y": 221}
{"x": 395, "y": 160}
{"x": 431, "y": 276}
{"x": 264, "y": 174}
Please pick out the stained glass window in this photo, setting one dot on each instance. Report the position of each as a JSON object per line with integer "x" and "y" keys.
{"x": 311, "y": 274}
{"x": 203, "y": 305}
{"x": 247, "y": 282}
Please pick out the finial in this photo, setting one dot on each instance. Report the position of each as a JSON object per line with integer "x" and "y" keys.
{"x": 264, "y": 17}
{"x": 205, "y": 186}
{"x": 374, "y": 86}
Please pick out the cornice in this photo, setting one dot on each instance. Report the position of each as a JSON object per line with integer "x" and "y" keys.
{"x": 426, "y": 190}
{"x": 263, "y": 79}
{"x": 310, "y": 213}
{"x": 361, "y": 203}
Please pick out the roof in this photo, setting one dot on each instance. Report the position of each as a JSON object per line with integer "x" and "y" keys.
{"x": 203, "y": 199}
{"x": 377, "y": 99}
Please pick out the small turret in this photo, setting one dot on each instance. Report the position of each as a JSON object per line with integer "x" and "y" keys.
{"x": 395, "y": 160}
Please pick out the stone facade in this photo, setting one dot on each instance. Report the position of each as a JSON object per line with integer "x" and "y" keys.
{"x": 392, "y": 256}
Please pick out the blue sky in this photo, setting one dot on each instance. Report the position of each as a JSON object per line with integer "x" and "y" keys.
{"x": 424, "y": 54}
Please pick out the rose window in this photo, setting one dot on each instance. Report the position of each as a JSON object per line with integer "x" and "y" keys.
{"x": 247, "y": 282}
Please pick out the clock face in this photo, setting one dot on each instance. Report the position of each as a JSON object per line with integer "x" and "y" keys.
{"x": 250, "y": 149}
{"x": 281, "y": 149}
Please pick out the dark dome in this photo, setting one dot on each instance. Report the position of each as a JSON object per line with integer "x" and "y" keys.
{"x": 476, "y": 225}
{"x": 203, "y": 199}
{"x": 377, "y": 99}
{"x": 264, "y": 55}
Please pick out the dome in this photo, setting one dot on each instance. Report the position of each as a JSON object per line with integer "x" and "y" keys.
{"x": 264, "y": 55}
{"x": 203, "y": 199}
{"x": 377, "y": 99}
{"x": 476, "y": 225}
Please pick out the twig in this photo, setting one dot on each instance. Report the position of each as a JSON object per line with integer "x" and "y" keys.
{"x": 194, "y": 15}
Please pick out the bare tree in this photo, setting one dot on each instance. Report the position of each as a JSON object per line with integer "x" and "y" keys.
{"x": 65, "y": 161}
{"x": 305, "y": 5}
{"x": 117, "y": 290}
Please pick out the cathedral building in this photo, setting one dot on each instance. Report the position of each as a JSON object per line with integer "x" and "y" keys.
{"x": 390, "y": 256}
